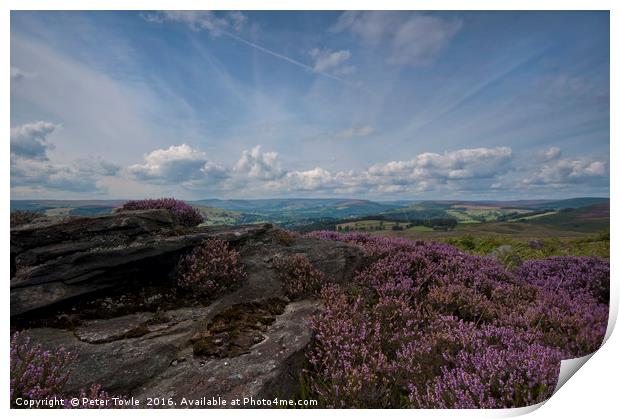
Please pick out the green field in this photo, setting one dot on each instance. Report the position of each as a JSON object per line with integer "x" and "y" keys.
{"x": 217, "y": 216}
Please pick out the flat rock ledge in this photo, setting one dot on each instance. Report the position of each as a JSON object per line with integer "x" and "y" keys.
{"x": 103, "y": 288}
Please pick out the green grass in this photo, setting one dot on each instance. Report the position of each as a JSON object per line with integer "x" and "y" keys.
{"x": 483, "y": 239}
{"x": 217, "y": 216}
{"x": 594, "y": 245}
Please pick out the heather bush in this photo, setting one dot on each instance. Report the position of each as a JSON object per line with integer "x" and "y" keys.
{"x": 185, "y": 213}
{"x": 497, "y": 368}
{"x": 210, "y": 268}
{"x": 24, "y": 217}
{"x": 576, "y": 274}
{"x": 299, "y": 278}
{"x": 427, "y": 325}
{"x": 37, "y": 374}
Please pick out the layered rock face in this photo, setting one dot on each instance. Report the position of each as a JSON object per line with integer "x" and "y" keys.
{"x": 104, "y": 288}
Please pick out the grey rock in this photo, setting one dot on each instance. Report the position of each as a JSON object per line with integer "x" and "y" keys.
{"x": 250, "y": 342}
{"x": 62, "y": 259}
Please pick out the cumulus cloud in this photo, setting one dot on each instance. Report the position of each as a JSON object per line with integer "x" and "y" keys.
{"x": 41, "y": 175}
{"x": 308, "y": 180}
{"x": 32, "y": 170}
{"x": 355, "y": 132}
{"x": 459, "y": 164}
{"x": 259, "y": 172}
{"x": 258, "y": 165}
{"x": 333, "y": 62}
{"x": 413, "y": 39}
{"x": 175, "y": 164}
{"x": 426, "y": 171}
{"x": 77, "y": 176}
{"x": 563, "y": 172}
{"x": 215, "y": 24}
{"x": 190, "y": 168}
{"x": 30, "y": 140}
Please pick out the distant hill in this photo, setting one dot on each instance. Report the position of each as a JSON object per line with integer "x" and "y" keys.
{"x": 586, "y": 219}
{"x": 67, "y": 207}
{"x": 309, "y": 208}
{"x": 307, "y": 214}
{"x": 573, "y": 203}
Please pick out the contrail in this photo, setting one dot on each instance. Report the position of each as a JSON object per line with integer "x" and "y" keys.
{"x": 282, "y": 57}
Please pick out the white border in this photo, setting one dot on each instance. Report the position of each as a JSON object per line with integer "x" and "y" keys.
{"x": 593, "y": 392}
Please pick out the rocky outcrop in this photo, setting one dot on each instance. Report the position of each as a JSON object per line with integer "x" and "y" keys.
{"x": 56, "y": 260}
{"x": 103, "y": 288}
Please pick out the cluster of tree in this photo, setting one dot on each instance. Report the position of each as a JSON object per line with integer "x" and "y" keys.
{"x": 409, "y": 216}
{"x": 443, "y": 224}
{"x": 308, "y": 225}
{"x": 440, "y": 223}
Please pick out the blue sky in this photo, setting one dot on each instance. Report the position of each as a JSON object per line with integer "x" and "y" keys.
{"x": 379, "y": 105}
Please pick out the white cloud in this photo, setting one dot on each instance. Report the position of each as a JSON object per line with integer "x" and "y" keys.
{"x": 413, "y": 39}
{"x": 39, "y": 176}
{"x": 198, "y": 20}
{"x": 30, "y": 140}
{"x": 459, "y": 164}
{"x": 33, "y": 172}
{"x": 565, "y": 172}
{"x": 258, "y": 165}
{"x": 551, "y": 153}
{"x": 42, "y": 176}
{"x": 331, "y": 61}
{"x": 420, "y": 39}
{"x": 190, "y": 168}
{"x": 257, "y": 171}
{"x": 175, "y": 164}
{"x": 355, "y": 132}
{"x": 371, "y": 27}
{"x": 308, "y": 180}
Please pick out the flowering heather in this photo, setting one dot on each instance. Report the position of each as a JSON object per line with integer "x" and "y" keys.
{"x": 299, "y": 278}
{"x": 497, "y": 368}
{"x": 185, "y": 213}
{"x": 426, "y": 325}
{"x": 576, "y": 274}
{"x": 37, "y": 374}
{"x": 211, "y": 268}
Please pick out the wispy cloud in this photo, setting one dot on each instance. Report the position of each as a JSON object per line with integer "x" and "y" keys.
{"x": 355, "y": 132}
{"x": 18, "y": 74}
{"x": 414, "y": 39}
{"x": 217, "y": 26}
{"x": 332, "y": 61}
{"x": 432, "y": 103}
